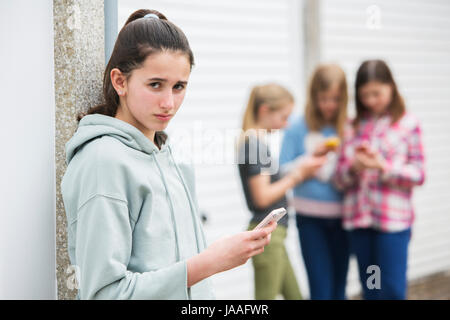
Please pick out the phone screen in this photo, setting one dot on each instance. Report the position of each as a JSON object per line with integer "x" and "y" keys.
{"x": 275, "y": 215}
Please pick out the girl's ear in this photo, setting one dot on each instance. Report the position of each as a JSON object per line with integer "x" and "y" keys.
{"x": 263, "y": 110}
{"x": 119, "y": 81}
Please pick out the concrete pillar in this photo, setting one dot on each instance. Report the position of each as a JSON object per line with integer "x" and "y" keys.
{"x": 79, "y": 64}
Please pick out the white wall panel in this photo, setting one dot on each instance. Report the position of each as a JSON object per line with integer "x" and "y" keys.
{"x": 27, "y": 162}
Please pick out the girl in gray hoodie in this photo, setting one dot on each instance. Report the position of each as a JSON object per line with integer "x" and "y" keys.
{"x": 132, "y": 215}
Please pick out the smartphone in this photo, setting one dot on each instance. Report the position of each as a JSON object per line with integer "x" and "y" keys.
{"x": 360, "y": 147}
{"x": 275, "y": 215}
{"x": 332, "y": 142}
{"x": 363, "y": 146}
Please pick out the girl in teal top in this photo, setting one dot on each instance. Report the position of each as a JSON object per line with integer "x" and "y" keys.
{"x": 132, "y": 214}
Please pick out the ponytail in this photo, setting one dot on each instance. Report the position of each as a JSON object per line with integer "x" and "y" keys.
{"x": 142, "y": 13}
{"x": 249, "y": 120}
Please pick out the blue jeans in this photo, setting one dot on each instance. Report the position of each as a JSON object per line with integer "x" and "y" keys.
{"x": 388, "y": 251}
{"x": 325, "y": 251}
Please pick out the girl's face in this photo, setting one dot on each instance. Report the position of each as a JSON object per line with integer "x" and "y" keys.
{"x": 328, "y": 102}
{"x": 275, "y": 119}
{"x": 153, "y": 93}
{"x": 375, "y": 96}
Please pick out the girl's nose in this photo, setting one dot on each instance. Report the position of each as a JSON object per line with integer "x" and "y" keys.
{"x": 167, "y": 101}
{"x": 371, "y": 101}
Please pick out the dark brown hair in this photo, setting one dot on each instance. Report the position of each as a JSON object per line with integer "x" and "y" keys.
{"x": 377, "y": 70}
{"x": 139, "y": 38}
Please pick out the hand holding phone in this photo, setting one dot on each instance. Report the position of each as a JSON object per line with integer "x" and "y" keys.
{"x": 275, "y": 215}
{"x": 332, "y": 142}
{"x": 363, "y": 147}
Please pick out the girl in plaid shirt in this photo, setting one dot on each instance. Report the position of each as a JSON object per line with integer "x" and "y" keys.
{"x": 380, "y": 162}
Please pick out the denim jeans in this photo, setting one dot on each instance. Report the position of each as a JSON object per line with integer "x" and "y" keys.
{"x": 325, "y": 251}
{"x": 389, "y": 252}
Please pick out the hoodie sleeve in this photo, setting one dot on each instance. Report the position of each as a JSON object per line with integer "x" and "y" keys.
{"x": 103, "y": 250}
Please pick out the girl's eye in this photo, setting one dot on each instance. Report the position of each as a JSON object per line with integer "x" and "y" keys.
{"x": 155, "y": 85}
{"x": 178, "y": 86}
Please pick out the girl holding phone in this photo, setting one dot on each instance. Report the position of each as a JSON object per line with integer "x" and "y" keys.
{"x": 317, "y": 202}
{"x": 382, "y": 159}
{"x": 132, "y": 215}
{"x": 268, "y": 108}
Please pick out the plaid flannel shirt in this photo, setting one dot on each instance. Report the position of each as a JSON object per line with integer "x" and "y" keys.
{"x": 376, "y": 199}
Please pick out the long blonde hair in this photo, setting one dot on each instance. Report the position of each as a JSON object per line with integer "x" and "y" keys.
{"x": 323, "y": 78}
{"x": 272, "y": 95}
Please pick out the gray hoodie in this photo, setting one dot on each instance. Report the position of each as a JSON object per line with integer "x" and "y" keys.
{"x": 132, "y": 215}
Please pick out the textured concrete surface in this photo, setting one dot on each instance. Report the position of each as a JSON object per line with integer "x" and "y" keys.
{"x": 432, "y": 287}
{"x": 79, "y": 66}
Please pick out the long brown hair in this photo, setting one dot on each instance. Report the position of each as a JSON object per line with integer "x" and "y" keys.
{"x": 377, "y": 70}
{"x": 139, "y": 38}
{"x": 322, "y": 79}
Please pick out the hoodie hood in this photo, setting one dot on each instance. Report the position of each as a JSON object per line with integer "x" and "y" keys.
{"x": 97, "y": 125}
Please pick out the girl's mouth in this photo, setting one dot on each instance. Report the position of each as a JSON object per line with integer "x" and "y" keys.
{"x": 163, "y": 117}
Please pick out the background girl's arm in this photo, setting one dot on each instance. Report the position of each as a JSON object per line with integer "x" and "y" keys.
{"x": 412, "y": 172}
{"x": 264, "y": 193}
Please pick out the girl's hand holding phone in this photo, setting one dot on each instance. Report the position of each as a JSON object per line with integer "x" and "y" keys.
{"x": 232, "y": 251}
{"x": 368, "y": 158}
{"x": 227, "y": 253}
{"x": 328, "y": 145}
{"x": 308, "y": 167}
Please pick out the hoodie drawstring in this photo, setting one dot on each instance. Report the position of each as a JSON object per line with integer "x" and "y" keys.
{"x": 195, "y": 218}
{"x": 172, "y": 213}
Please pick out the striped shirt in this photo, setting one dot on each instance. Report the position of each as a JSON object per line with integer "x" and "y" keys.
{"x": 372, "y": 198}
